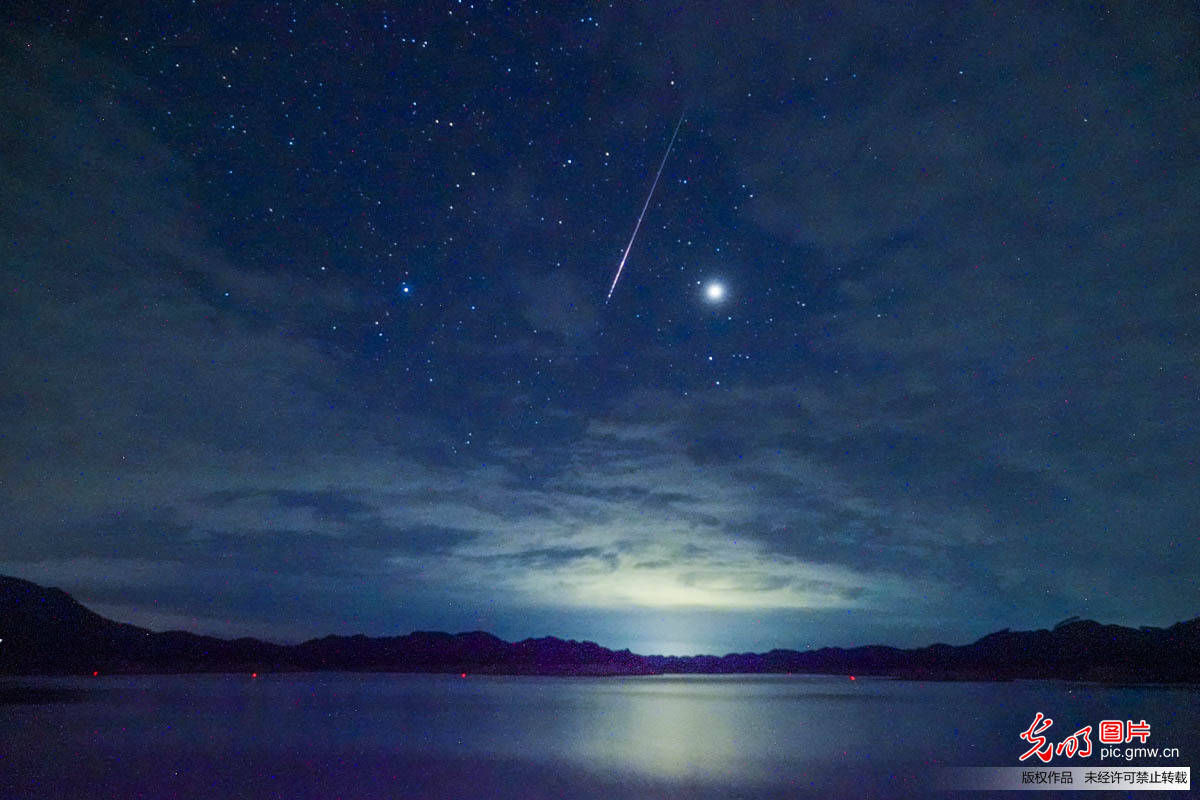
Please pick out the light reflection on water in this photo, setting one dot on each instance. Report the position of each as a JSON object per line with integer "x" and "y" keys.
{"x": 702, "y": 726}
{"x": 374, "y": 735}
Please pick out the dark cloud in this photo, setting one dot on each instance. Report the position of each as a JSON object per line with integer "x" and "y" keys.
{"x": 561, "y": 556}
{"x": 330, "y": 505}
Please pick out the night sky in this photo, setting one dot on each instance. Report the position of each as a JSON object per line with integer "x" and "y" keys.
{"x": 303, "y": 325}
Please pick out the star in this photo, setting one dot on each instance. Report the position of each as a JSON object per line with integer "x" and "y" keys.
{"x": 714, "y": 291}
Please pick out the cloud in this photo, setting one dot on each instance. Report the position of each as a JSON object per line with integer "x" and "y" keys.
{"x": 330, "y": 505}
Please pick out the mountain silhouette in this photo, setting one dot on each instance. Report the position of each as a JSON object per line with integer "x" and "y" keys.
{"x": 45, "y": 631}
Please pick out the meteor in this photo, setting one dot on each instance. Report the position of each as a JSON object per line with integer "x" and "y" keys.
{"x": 629, "y": 246}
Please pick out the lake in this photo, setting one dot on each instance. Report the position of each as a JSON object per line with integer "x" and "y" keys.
{"x": 384, "y": 735}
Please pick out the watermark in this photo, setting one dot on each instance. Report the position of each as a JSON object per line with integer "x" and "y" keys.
{"x": 1110, "y": 732}
{"x": 1068, "y": 779}
{"x": 1124, "y": 740}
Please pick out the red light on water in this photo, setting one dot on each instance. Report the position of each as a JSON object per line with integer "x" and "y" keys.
{"x": 95, "y": 674}
{"x": 463, "y": 675}
{"x": 253, "y": 674}
{"x": 853, "y": 678}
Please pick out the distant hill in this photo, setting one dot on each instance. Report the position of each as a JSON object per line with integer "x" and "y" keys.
{"x": 45, "y": 631}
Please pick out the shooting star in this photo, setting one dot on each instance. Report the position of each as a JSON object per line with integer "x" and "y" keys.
{"x": 657, "y": 175}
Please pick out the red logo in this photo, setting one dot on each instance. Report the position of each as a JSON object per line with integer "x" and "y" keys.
{"x": 1113, "y": 731}
{"x": 1079, "y": 743}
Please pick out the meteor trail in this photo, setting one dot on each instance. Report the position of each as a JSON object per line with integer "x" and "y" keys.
{"x": 629, "y": 246}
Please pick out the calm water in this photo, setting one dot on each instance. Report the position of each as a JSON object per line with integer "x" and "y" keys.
{"x": 351, "y": 735}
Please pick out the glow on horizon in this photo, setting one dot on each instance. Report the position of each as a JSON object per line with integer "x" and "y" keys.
{"x": 743, "y": 587}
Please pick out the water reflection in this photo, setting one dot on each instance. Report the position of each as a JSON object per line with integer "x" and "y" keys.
{"x": 665, "y": 728}
{"x": 445, "y": 736}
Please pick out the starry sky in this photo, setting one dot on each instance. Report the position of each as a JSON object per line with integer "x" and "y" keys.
{"x": 303, "y": 325}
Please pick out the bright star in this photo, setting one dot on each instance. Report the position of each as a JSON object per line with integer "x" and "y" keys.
{"x": 714, "y": 292}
